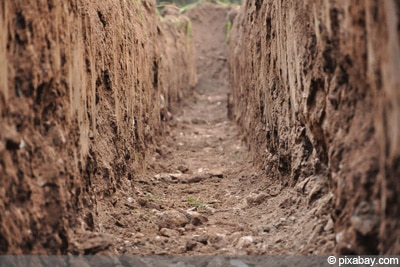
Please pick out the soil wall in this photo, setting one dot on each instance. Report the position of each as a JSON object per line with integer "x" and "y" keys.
{"x": 83, "y": 88}
{"x": 316, "y": 88}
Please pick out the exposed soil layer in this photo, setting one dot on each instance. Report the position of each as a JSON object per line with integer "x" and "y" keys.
{"x": 316, "y": 89}
{"x": 109, "y": 144}
{"x": 201, "y": 193}
{"x": 83, "y": 88}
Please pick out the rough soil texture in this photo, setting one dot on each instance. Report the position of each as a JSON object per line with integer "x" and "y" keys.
{"x": 106, "y": 149}
{"x": 83, "y": 88}
{"x": 316, "y": 89}
{"x": 202, "y": 194}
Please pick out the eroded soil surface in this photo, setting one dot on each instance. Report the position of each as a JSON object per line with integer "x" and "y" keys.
{"x": 202, "y": 194}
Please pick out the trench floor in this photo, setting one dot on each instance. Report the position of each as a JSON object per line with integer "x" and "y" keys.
{"x": 202, "y": 195}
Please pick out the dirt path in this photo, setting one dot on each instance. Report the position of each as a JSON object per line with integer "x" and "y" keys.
{"x": 202, "y": 194}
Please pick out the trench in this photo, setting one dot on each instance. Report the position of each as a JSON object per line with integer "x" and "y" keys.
{"x": 269, "y": 129}
{"x": 202, "y": 192}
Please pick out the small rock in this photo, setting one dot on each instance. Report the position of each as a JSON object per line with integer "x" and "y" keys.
{"x": 198, "y": 178}
{"x": 130, "y": 200}
{"x": 190, "y": 245}
{"x": 22, "y": 144}
{"x": 217, "y": 173}
{"x": 217, "y": 241}
{"x": 200, "y": 238}
{"x": 202, "y": 170}
{"x": 142, "y": 201}
{"x": 183, "y": 168}
{"x": 195, "y": 218}
{"x": 175, "y": 176}
{"x": 329, "y": 225}
{"x": 139, "y": 235}
{"x": 292, "y": 218}
{"x": 172, "y": 219}
{"x": 256, "y": 199}
{"x": 168, "y": 232}
{"x": 198, "y": 121}
{"x": 244, "y": 242}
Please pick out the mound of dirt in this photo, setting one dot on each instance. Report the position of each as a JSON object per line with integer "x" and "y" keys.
{"x": 81, "y": 84}
{"x": 315, "y": 86}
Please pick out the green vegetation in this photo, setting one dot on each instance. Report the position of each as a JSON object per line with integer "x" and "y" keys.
{"x": 228, "y": 31}
{"x": 188, "y": 32}
{"x": 195, "y": 203}
{"x": 159, "y": 15}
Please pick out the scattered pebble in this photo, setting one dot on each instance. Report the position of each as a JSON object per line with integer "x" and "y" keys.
{"x": 217, "y": 241}
{"x": 198, "y": 178}
{"x": 217, "y": 173}
{"x": 200, "y": 238}
{"x": 190, "y": 245}
{"x": 183, "y": 168}
{"x": 256, "y": 199}
{"x": 172, "y": 219}
{"x": 198, "y": 121}
{"x": 168, "y": 232}
{"x": 195, "y": 218}
{"x": 244, "y": 242}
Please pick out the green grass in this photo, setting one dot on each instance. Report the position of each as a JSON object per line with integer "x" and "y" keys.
{"x": 188, "y": 32}
{"x": 195, "y": 203}
{"x": 159, "y": 15}
{"x": 150, "y": 196}
{"x": 228, "y": 32}
{"x": 185, "y": 8}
